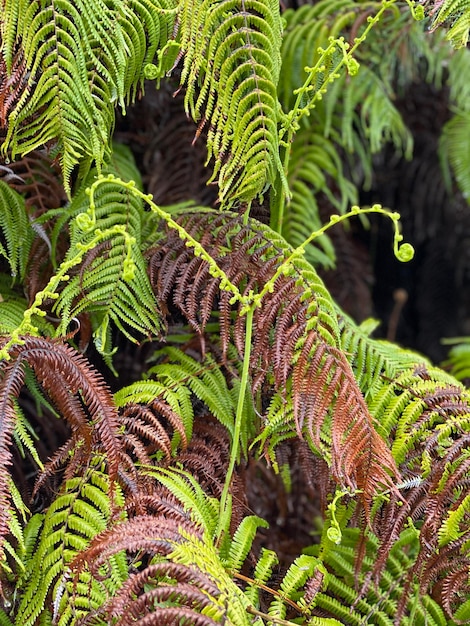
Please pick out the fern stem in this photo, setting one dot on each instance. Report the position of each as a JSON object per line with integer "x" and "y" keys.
{"x": 238, "y": 419}
{"x": 270, "y": 618}
{"x": 291, "y": 123}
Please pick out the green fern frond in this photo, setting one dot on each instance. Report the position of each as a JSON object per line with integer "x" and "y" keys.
{"x": 455, "y": 525}
{"x": 378, "y": 605}
{"x": 233, "y": 49}
{"x": 371, "y": 359}
{"x": 307, "y": 29}
{"x": 208, "y": 383}
{"x": 83, "y": 59}
{"x": 366, "y": 104}
{"x": 112, "y": 284}
{"x": 204, "y": 510}
{"x": 81, "y": 511}
{"x": 176, "y": 377}
{"x": 242, "y": 541}
{"x": 454, "y": 15}
{"x": 458, "y": 361}
{"x": 16, "y": 230}
{"x": 295, "y": 578}
{"x": 454, "y": 150}
{"x": 265, "y": 565}
{"x": 459, "y": 90}
{"x": 24, "y": 436}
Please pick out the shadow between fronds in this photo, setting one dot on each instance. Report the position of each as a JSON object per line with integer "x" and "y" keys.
{"x": 295, "y": 354}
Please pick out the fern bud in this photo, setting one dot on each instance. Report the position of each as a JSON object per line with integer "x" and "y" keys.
{"x": 151, "y": 71}
{"x": 334, "y": 534}
{"x": 353, "y": 67}
{"x": 405, "y": 252}
{"x": 85, "y": 223}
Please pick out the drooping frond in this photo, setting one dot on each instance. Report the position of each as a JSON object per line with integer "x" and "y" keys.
{"x": 232, "y": 49}
{"x": 425, "y": 415}
{"x": 82, "y": 59}
{"x": 296, "y": 337}
{"x": 78, "y": 393}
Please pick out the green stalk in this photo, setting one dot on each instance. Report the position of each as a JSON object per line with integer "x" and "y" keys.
{"x": 238, "y": 419}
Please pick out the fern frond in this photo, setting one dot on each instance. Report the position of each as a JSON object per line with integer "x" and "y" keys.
{"x": 77, "y": 515}
{"x": 12, "y": 84}
{"x": 265, "y": 564}
{"x": 233, "y": 49}
{"x": 458, "y": 360}
{"x": 455, "y": 151}
{"x": 314, "y": 162}
{"x": 16, "y": 231}
{"x": 12, "y": 308}
{"x": 208, "y": 382}
{"x": 296, "y": 335}
{"x": 79, "y": 395}
{"x": 425, "y": 414}
{"x": 182, "y": 561}
{"x": 295, "y": 578}
{"x": 111, "y": 284}
{"x": 37, "y": 178}
{"x": 378, "y": 601}
{"x": 82, "y": 59}
{"x": 242, "y": 541}
{"x": 454, "y": 16}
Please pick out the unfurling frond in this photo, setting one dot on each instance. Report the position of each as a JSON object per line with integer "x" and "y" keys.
{"x": 111, "y": 283}
{"x": 296, "y": 337}
{"x": 232, "y": 48}
{"x": 82, "y": 60}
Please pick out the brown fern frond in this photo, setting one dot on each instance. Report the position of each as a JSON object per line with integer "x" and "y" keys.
{"x": 12, "y": 379}
{"x": 13, "y": 84}
{"x": 79, "y": 394}
{"x": 145, "y": 433}
{"x": 37, "y": 177}
{"x": 294, "y": 336}
{"x": 188, "y": 585}
{"x": 453, "y": 587}
{"x": 207, "y": 458}
{"x": 155, "y": 535}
